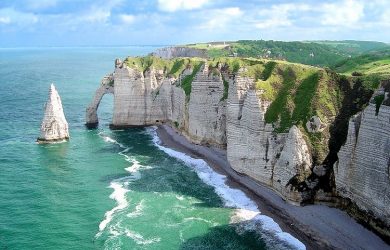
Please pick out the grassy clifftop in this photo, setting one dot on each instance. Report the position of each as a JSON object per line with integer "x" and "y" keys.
{"x": 320, "y": 53}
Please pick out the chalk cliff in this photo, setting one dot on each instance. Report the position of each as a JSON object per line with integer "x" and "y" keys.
{"x": 276, "y": 120}
{"x": 54, "y": 126}
{"x": 362, "y": 171}
{"x": 106, "y": 87}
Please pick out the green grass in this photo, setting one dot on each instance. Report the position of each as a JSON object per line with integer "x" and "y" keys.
{"x": 186, "y": 82}
{"x": 303, "y": 98}
{"x": 268, "y": 68}
{"x": 178, "y": 66}
{"x": 378, "y": 102}
{"x": 376, "y": 62}
{"x": 144, "y": 63}
{"x": 279, "y": 107}
{"x": 225, "y": 89}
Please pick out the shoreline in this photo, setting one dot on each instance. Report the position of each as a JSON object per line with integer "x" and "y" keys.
{"x": 316, "y": 226}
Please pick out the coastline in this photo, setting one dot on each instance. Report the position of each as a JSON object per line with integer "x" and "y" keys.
{"x": 316, "y": 226}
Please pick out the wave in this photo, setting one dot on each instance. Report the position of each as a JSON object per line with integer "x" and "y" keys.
{"x": 139, "y": 239}
{"x": 119, "y": 195}
{"x": 120, "y": 187}
{"x": 137, "y": 211}
{"x": 110, "y": 140}
{"x": 246, "y": 209}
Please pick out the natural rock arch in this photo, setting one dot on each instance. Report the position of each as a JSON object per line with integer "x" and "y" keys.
{"x": 106, "y": 87}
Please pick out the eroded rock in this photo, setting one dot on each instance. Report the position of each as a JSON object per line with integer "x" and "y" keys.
{"x": 314, "y": 125}
{"x": 54, "y": 126}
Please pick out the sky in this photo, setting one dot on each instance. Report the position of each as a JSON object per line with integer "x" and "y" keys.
{"x": 168, "y": 22}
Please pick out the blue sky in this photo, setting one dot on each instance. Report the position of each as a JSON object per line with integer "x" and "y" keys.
{"x": 131, "y": 22}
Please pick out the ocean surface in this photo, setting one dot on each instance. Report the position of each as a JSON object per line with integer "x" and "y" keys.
{"x": 106, "y": 189}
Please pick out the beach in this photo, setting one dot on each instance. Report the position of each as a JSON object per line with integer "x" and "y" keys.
{"x": 316, "y": 226}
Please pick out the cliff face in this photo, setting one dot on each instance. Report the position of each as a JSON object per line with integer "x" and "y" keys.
{"x": 362, "y": 172}
{"x": 54, "y": 126}
{"x": 276, "y": 121}
{"x": 206, "y": 111}
{"x": 253, "y": 148}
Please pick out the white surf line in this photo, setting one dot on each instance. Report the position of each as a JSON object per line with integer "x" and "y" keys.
{"x": 139, "y": 239}
{"x": 119, "y": 185}
{"x": 119, "y": 195}
{"x": 234, "y": 198}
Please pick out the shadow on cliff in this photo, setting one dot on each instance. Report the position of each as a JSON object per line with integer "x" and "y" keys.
{"x": 356, "y": 96}
{"x": 160, "y": 172}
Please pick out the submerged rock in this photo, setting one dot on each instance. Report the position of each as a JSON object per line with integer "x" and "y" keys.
{"x": 54, "y": 126}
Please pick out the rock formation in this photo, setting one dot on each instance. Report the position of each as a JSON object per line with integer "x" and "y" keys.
{"x": 54, "y": 126}
{"x": 362, "y": 172}
{"x": 106, "y": 87}
{"x": 206, "y": 111}
{"x": 255, "y": 150}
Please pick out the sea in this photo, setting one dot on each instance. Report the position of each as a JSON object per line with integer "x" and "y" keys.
{"x": 107, "y": 189}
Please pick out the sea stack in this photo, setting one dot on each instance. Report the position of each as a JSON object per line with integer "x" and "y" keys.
{"x": 54, "y": 127}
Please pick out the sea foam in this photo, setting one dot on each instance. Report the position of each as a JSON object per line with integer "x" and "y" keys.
{"x": 119, "y": 186}
{"x": 119, "y": 195}
{"x": 246, "y": 209}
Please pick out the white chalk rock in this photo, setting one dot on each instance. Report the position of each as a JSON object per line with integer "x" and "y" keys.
{"x": 314, "y": 125}
{"x": 54, "y": 126}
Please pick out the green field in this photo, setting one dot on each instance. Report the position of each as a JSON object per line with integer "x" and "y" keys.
{"x": 317, "y": 53}
{"x": 377, "y": 62}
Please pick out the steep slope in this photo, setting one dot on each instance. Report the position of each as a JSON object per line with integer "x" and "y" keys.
{"x": 362, "y": 171}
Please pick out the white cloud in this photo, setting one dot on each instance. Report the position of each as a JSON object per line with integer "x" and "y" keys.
{"x": 273, "y": 23}
{"x": 96, "y": 15}
{"x": 279, "y": 15}
{"x": 12, "y": 16}
{"x": 220, "y": 18}
{"x": 41, "y": 4}
{"x": 347, "y": 13}
{"x": 176, "y": 5}
{"x": 385, "y": 18}
{"x": 127, "y": 19}
{"x": 5, "y": 20}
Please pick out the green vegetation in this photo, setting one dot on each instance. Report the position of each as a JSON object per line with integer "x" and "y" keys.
{"x": 354, "y": 47}
{"x": 378, "y": 102}
{"x": 144, "y": 63}
{"x": 225, "y": 89}
{"x": 318, "y": 53}
{"x": 187, "y": 80}
{"x": 178, "y": 66}
{"x": 173, "y": 67}
{"x": 280, "y": 107}
{"x": 373, "y": 63}
{"x": 268, "y": 68}
{"x": 303, "y": 99}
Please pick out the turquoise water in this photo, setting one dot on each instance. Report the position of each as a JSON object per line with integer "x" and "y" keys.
{"x": 104, "y": 189}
